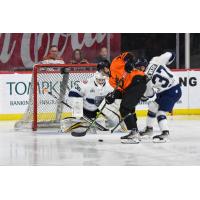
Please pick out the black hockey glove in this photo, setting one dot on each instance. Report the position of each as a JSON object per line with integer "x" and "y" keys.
{"x": 129, "y": 66}
{"x": 110, "y": 98}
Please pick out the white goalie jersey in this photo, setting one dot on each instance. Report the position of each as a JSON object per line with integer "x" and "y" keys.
{"x": 160, "y": 77}
{"x": 92, "y": 93}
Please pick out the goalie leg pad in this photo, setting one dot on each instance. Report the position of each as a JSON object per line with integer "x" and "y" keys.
{"x": 71, "y": 123}
{"x": 112, "y": 115}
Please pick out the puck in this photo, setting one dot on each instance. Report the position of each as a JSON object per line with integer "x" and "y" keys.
{"x": 100, "y": 140}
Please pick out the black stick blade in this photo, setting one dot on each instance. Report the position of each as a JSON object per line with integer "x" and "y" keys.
{"x": 78, "y": 134}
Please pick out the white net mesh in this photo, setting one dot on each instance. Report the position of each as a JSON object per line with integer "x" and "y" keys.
{"x": 57, "y": 80}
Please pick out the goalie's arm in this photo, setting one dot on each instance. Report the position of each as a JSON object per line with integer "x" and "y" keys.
{"x": 77, "y": 91}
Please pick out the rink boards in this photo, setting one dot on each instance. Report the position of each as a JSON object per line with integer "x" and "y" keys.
{"x": 15, "y": 88}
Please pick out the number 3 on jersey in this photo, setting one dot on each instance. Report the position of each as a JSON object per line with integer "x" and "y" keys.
{"x": 162, "y": 76}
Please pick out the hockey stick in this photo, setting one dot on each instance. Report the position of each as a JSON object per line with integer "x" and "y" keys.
{"x": 45, "y": 90}
{"x": 99, "y": 126}
{"x": 81, "y": 134}
{"x": 122, "y": 119}
{"x": 96, "y": 124}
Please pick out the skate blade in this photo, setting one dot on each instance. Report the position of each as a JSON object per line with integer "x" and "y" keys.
{"x": 160, "y": 141}
{"x": 145, "y": 137}
{"x": 129, "y": 141}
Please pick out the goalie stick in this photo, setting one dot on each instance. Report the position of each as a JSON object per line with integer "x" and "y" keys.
{"x": 81, "y": 134}
{"x": 99, "y": 126}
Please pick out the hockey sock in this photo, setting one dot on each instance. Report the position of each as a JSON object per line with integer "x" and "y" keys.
{"x": 162, "y": 121}
{"x": 150, "y": 118}
{"x": 131, "y": 120}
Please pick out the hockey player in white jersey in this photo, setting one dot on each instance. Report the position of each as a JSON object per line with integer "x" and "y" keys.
{"x": 93, "y": 91}
{"x": 163, "y": 83}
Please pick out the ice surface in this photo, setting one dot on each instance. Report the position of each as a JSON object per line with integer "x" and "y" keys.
{"x": 47, "y": 147}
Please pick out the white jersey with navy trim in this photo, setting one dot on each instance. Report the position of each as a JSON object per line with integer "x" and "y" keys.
{"x": 160, "y": 77}
{"x": 92, "y": 93}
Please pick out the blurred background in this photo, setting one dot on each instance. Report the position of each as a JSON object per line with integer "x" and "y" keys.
{"x": 20, "y": 51}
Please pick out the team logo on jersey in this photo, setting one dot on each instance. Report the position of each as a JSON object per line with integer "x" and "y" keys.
{"x": 92, "y": 90}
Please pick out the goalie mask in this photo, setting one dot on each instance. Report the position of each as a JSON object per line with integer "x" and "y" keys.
{"x": 100, "y": 79}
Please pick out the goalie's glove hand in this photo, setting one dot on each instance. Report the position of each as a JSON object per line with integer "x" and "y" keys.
{"x": 110, "y": 98}
{"x": 143, "y": 98}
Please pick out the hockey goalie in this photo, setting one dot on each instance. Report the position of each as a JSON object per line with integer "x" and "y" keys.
{"x": 93, "y": 92}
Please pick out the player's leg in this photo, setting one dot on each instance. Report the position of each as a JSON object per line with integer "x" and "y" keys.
{"x": 163, "y": 125}
{"x": 151, "y": 116}
{"x": 131, "y": 124}
{"x": 166, "y": 103}
{"x": 131, "y": 98}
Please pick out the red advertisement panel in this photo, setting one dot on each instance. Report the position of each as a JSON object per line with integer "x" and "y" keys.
{"x": 26, "y": 49}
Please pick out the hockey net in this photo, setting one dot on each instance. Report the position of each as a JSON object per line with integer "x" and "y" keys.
{"x": 43, "y": 110}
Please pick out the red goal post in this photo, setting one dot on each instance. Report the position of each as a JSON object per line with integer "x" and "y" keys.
{"x": 43, "y": 110}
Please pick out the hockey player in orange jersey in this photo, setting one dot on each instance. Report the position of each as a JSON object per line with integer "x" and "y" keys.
{"x": 130, "y": 91}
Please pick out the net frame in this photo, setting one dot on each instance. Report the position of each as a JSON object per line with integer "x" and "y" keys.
{"x": 69, "y": 68}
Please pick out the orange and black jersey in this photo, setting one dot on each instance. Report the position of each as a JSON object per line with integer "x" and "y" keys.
{"x": 117, "y": 70}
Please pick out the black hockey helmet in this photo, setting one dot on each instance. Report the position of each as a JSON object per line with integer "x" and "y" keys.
{"x": 104, "y": 67}
{"x": 102, "y": 64}
{"x": 129, "y": 59}
{"x": 141, "y": 62}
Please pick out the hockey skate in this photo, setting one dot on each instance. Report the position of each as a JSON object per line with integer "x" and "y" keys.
{"x": 147, "y": 132}
{"x": 131, "y": 138}
{"x": 164, "y": 137}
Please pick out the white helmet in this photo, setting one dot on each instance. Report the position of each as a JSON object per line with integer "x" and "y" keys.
{"x": 99, "y": 78}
